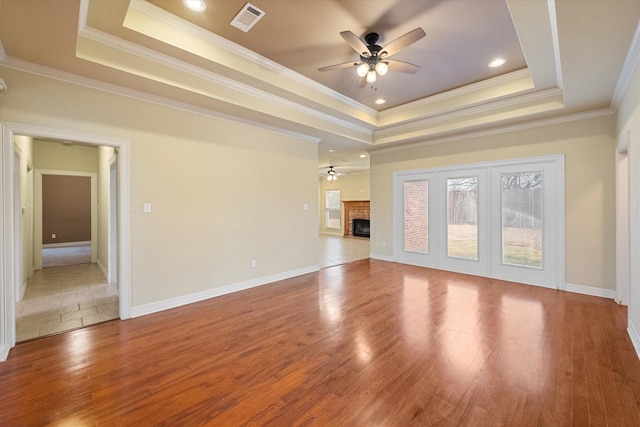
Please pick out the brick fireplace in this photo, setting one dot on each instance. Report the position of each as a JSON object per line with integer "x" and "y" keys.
{"x": 356, "y": 209}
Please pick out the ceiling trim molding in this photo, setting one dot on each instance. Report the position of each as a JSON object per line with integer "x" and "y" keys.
{"x": 470, "y": 111}
{"x": 628, "y": 68}
{"x": 82, "y": 15}
{"x": 155, "y": 12}
{"x": 461, "y": 91}
{"x": 499, "y": 130}
{"x": 553, "y": 22}
{"x": 117, "y": 43}
{"x": 28, "y": 67}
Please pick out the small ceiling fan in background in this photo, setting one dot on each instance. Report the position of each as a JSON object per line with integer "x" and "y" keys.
{"x": 374, "y": 59}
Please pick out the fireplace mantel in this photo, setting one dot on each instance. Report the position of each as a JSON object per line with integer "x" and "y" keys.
{"x": 354, "y": 209}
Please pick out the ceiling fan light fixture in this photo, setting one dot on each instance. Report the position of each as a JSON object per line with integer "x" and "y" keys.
{"x": 371, "y": 76}
{"x": 332, "y": 175}
{"x": 362, "y": 70}
{"x": 382, "y": 68}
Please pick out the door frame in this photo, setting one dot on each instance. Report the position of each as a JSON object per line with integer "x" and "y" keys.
{"x": 8, "y": 219}
{"x": 112, "y": 235}
{"x": 18, "y": 262}
{"x": 557, "y": 161}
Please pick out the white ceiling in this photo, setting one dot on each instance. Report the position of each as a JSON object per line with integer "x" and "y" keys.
{"x": 563, "y": 57}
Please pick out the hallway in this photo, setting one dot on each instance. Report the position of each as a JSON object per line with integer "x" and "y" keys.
{"x": 64, "y": 298}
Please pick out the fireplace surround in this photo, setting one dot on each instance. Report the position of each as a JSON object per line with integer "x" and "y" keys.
{"x": 354, "y": 209}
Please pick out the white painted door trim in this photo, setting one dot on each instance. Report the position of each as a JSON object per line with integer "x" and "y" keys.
{"x": 622, "y": 229}
{"x": 7, "y": 219}
{"x": 19, "y": 277}
{"x": 112, "y": 235}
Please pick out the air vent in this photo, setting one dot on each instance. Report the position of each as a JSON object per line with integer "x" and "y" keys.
{"x": 247, "y": 17}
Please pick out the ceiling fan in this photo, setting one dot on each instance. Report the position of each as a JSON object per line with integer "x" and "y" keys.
{"x": 374, "y": 58}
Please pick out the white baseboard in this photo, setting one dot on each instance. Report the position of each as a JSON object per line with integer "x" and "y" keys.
{"x": 382, "y": 257}
{"x": 65, "y": 244}
{"x": 590, "y": 290}
{"x": 103, "y": 269}
{"x": 23, "y": 289}
{"x": 635, "y": 338}
{"x": 4, "y": 353}
{"x": 167, "y": 304}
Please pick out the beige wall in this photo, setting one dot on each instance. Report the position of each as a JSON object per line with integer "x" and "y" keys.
{"x": 216, "y": 201}
{"x": 352, "y": 187}
{"x": 61, "y": 157}
{"x": 588, "y": 146}
{"x": 629, "y": 134}
{"x": 66, "y": 209}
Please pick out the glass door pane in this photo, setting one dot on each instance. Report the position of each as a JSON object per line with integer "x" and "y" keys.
{"x": 414, "y": 206}
{"x": 522, "y": 219}
{"x": 462, "y": 217}
{"x": 416, "y": 216}
{"x": 464, "y": 221}
{"x": 528, "y": 205}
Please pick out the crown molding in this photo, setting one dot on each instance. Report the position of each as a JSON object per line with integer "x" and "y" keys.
{"x": 461, "y": 91}
{"x": 553, "y": 22}
{"x": 498, "y": 130}
{"x": 475, "y": 110}
{"x": 628, "y": 68}
{"x": 119, "y": 44}
{"x": 28, "y": 67}
{"x": 157, "y": 13}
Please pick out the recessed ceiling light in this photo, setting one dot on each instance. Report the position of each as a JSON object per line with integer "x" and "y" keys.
{"x": 380, "y": 101}
{"x": 363, "y": 156}
{"x": 331, "y": 151}
{"x": 195, "y": 5}
{"x": 497, "y": 62}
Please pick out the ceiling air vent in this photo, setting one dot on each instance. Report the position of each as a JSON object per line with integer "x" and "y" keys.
{"x": 247, "y": 17}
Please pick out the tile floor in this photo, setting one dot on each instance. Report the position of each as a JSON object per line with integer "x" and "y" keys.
{"x": 335, "y": 250}
{"x": 63, "y": 298}
{"x": 66, "y": 255}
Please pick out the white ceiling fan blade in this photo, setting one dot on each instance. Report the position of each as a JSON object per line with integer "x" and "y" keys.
{"x": 402, "y": 42}
{"x": 340, "y": 66}
{"x": 403, "y": 67}
{"x": 355, "y": 43}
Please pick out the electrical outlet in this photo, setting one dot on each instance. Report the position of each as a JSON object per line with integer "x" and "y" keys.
{"x": 253, "y": 263}
{"x": 53, "y": 236}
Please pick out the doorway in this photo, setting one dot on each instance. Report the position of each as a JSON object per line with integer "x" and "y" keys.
{"x": 502, "y": 220}
{"x": 8, "y": 220}
{"x": 69, "y": 288}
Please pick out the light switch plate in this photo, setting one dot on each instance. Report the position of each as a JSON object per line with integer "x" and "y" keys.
{"x": 147, "y": 208}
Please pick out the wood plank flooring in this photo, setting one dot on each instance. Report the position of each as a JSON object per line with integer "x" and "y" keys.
{"x": 365, "y": 343}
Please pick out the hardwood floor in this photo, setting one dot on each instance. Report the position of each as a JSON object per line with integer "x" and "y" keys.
{"x": 365, "y": 343}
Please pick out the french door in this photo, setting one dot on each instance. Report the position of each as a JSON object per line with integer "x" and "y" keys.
{"x": 503, "y": 220}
